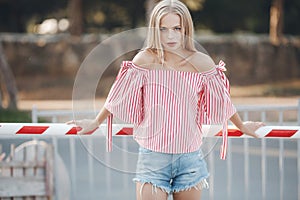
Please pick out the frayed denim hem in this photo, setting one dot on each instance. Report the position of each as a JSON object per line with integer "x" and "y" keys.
{"x": 154, "y": 186}
{"x": 202, "y": 184}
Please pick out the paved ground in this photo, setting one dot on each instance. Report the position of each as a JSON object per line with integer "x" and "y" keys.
{"x": 107, "y": 176}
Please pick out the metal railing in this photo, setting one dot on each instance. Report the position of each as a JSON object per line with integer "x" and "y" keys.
{"x": 254, "y": 169}
{"x": 259, "y": 112}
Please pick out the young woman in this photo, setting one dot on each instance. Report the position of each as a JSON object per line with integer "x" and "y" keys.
{"x": 168, "y": 91}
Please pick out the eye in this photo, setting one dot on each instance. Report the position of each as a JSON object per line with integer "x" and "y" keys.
{"x": 177, "y": 28}
{"x": 163, "y": 29}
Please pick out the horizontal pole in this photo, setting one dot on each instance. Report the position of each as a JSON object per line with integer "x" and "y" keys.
{"x": 51, "y": 129}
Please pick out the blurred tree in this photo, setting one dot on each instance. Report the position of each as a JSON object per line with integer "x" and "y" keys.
{"x": 107, "y": 15}
{"x": 276, "y": 21}
{"x": 16, "y": 14}
{"x": 227, "y": 16}
{"x": 149, "y": 4}
{"x": 220, "y": 16}
{"x": 291, "y": 17}
{"x": 75, "y": 15}
{"x": 193, "y": 5}
{"x": 135, "y": 10}
{"x": 8, "y": 81}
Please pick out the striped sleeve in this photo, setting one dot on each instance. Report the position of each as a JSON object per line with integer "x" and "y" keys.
{"x": 215, "y": 106}
{"x": 125, "y": 97}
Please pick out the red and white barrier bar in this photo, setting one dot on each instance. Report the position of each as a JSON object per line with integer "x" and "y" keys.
{"x": 52, "y": 129}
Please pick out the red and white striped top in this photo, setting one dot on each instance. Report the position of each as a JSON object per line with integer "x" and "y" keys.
{"x": 168, "y": 108}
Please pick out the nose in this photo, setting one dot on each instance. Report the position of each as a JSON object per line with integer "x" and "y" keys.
{"x": 170, "y": 33}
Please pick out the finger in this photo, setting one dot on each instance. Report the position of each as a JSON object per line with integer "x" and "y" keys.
{"x": 262, "y": 124}
{"x": 2, "y": 156}
{"x": 259, "y": 125}
{"x": 253, "y": 135}
{"x": 70, "y": 122}
{"x": 81, "y": 132}
{"x": 255, "y": 125}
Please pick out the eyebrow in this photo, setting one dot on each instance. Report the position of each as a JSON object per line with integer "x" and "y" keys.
{"x": 172, "y": 26}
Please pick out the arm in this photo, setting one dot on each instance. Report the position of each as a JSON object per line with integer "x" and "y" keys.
{"x": 102, "y": 115}
{"x": 247, "y": 128}
{"x": 127, "y": 86}
{"x": 88, "y": 125}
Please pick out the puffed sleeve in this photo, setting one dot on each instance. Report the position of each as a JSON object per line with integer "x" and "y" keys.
{"x": 215, "y": 106}
{"x": 125, "y": 99}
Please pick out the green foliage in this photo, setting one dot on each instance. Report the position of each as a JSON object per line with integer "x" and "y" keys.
{"x": 280, "y": 91}
{"x": 15, "y": 116}
{"x": 15, "y": 14}
{"x": 117, "y": 14}
{"x": 291, "y": 17}
{"x": 234, "y": 15}
{"x": 220, "y": 16}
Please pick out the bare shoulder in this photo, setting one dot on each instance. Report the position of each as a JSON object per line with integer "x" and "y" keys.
{"x": 202, "y": 62}
{"x": 144, "y": 58}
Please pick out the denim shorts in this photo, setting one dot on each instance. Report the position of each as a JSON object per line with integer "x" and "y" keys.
{"x": 172, "y": 172}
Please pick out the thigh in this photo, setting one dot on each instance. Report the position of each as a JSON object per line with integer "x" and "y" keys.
{"x": 153, "y": 168}
{"x": 191, "y": 174}
{"x": 192, "y": 194}
{"x": 147, "y": 191}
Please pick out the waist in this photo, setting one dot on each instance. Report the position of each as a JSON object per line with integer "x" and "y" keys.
{"x": 175, "y": 142}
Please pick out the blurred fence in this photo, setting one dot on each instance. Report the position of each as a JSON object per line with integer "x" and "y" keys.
{"x": 27, "y": 173}
{"x": 270, "y": 114}
{"x": 255, "y": 168}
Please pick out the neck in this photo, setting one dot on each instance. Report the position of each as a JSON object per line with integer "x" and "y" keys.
{"x": 174, "y": 55}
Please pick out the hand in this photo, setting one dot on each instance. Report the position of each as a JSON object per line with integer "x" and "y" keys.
{"x": 86, "y": 125}
{"x": 250, "y": 127}
{"x": 2, "y": 156}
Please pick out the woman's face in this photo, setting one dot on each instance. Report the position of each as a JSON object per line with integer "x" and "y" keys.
{"x": 171, "y": 32}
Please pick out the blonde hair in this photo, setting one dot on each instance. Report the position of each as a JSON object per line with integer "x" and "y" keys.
{"x": 153, "y": 42}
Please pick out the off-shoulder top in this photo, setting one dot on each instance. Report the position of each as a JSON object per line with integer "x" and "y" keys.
{"x": 168, "y": 108}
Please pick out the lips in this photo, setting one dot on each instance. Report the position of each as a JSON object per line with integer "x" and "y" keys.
{"x": 171, "y": 44}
